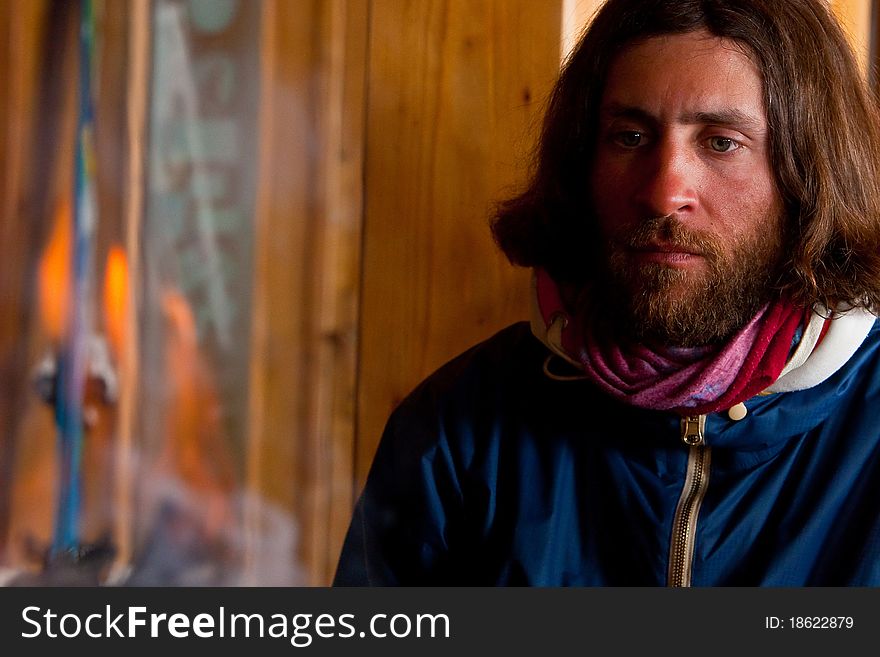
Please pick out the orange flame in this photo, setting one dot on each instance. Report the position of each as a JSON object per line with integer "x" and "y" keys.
{"x": 116, "y": 299}
{"x": 54, "y": 274}
{"x": 195, "y": 445}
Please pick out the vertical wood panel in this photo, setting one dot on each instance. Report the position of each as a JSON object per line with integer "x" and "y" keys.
{"x": 109, "y": 97}
{"x": 283, "y": 241}
{"x": 39, "y": 91}
{"x": 307, "y": 271}
{"x": 455, "y": 92}
{"x": 336, "y": 285}
{"x": 137, "y": 33}
{"x": 855, "y": 16}
{"x": 21, "y": 43}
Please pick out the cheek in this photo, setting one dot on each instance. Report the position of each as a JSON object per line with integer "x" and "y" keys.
{"x": 748, "y": 206}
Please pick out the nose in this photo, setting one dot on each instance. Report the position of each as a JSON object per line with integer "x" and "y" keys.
{"x": 670, "y": 181}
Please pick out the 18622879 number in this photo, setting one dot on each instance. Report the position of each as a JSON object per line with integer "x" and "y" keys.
{"x": 821, "y": 622}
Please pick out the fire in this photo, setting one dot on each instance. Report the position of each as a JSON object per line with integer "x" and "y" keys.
{"x": 116, "y": 299}
{"x": 55, "y": 274}
{"x": 195, "y": 448}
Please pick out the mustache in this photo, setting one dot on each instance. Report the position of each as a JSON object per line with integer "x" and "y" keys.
{"x": 669, "y": 231}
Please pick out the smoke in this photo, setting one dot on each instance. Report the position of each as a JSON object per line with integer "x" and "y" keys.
{"x": 195, "y": 538}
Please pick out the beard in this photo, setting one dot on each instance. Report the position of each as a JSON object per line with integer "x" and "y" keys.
{"x": 654, "y": 303}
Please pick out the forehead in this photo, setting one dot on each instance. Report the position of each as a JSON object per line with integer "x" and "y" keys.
{"x": 693, "y": 72}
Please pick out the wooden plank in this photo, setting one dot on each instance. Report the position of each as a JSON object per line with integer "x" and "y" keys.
{"x": 337, "y": 288}
{"x": 23, "y": 31}
{"x": 257, "y": 384}
{"x": 306, "y": 278}
{"x": 455, "y": 93}
{"x": 136, "y": 97}
{"x": 278, "y": 389}
{"x": 855, "y": 16}
{"x": 38, "y": 158}
{"x": 46, "y": 46}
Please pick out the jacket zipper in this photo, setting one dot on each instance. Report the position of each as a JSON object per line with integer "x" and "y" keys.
{"x": 684, "y": 527}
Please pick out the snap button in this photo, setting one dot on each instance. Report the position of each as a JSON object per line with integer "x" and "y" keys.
{"x": 738, "y": 412}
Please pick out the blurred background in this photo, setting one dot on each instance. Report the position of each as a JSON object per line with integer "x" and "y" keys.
{"x": 234, "y": 235}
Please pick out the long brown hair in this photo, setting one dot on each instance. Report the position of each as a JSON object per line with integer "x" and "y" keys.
{"x": 824, "y": 141}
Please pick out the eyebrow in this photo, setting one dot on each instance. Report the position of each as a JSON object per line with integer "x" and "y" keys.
{"x": 731, "y": 117}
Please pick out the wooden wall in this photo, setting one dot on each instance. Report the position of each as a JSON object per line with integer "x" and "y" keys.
{"x": 390, "y": 128}
{"x": 308, "y": 268}
{"x": 455, "y": 90}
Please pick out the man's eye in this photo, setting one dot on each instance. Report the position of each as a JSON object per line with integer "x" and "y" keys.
{"x": 629, "y": 138}
{"x": 722, "y": 144}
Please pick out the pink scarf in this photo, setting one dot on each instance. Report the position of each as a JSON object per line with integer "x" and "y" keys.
{"x": 690, "y": 381}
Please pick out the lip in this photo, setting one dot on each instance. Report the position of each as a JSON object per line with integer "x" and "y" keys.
{"x": 666, "y": 253}
{"x": 667, "y": 247}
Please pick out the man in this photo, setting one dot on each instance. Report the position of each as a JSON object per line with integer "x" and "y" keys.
{"x": 700, "y": 404}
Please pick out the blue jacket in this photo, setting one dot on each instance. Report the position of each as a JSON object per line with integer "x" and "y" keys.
{"x": 492, "y": 473}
